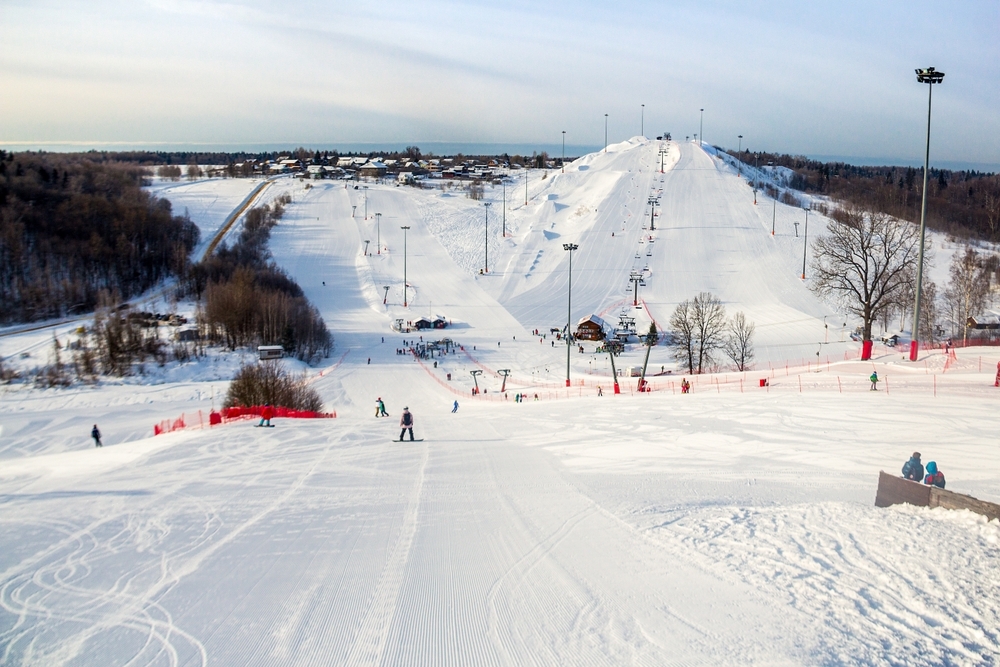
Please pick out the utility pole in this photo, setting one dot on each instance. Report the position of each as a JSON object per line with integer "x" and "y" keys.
{"x": 642, "y": 122}
{"x": 486, "y": 266}
{"x": 503, "y": 182}
{"x": 774, "y": 213}
{"x": 805, "y": 244}
{"x": 738, "y": 153}
{"x": 563, "y": 163}
{"x": 525, "y": 184}
{"x": 605, "y": 133}
{"x": 404, "y": 228}
{"x": 701, "y": 128}
{"x": 569, "y": 304}
{"x": 378, "y": 232}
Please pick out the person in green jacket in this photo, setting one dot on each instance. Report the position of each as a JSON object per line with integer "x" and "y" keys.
{"x": 874, "y": 380}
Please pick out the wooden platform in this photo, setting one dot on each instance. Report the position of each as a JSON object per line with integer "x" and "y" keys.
{"x": 893, "y": 490}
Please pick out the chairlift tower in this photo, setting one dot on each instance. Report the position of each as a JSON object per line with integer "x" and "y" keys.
{"x": 475, "y": 375}
{"x": 652, "y": 201}
{"x": 637, "y": 281}
{"x": 505, "y": 372}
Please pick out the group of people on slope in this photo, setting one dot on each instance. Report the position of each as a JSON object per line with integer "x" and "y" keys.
{"x": 913, "y": 470}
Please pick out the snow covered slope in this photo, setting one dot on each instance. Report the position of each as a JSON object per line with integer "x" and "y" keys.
{"x": 730, "y": 526}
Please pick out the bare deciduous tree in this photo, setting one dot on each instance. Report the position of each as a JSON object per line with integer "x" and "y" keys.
{"x": 966, "y": 293}
{"x": 739, "y": 342}
{"x": 699, "y": 331}
{"x": 866, "y": 262}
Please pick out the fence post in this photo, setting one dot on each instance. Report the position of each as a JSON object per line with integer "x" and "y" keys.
{"x": 840, "y": 386}
{"x": 800, "y": 384}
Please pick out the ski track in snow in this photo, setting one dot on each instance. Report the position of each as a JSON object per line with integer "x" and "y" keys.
{"x": 731, "y": 526}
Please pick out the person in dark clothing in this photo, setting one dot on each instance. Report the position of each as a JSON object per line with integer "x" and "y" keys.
{"x": 913, "y": 469}
{"x": 934, "y": 476}
{"x": 406, "y": 424}
{"x": 96, "y": 435}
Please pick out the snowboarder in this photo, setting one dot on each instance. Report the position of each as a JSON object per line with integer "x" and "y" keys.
{"x": 934, "y": 476}
{"x": 380, "y": 408}
{"x": 913, "y": 469}
{"x": 406, "y": 424}
{"x": 873, "y": 378}
{"x": 454, "y": 408}
{"x": 96, "y": 435}
{"x": 266, "y": 415}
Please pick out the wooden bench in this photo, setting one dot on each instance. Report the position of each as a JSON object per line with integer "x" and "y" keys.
{"x": 893, "y": 490}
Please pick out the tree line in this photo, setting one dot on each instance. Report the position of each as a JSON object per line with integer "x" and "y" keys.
{"x": 246, "y": 299}
{"x": 71, "y": 228}
{"x": 965, "y": 204}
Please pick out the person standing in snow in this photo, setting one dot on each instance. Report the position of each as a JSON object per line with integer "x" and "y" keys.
{"x": 873, "y": 378}
{"x": 380, "y": 408}
{"x": 266, "y": 415}
{"x": 406, "y": 424}
{"x": 455, "y": 407}
{"x": 96, "y": 435}
{"x": 913, "y": 469}
{"x": 934, "y": 476}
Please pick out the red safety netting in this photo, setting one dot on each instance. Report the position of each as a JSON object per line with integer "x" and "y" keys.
{"x": 236, "y": 414}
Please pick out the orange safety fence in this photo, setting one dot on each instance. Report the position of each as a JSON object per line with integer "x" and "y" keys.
{"x": 235, "y": 414}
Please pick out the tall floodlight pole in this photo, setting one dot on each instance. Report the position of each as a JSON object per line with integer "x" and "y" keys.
{"x": 378, "y": 232}
{"x": 486, "y": 264}
{"x": 605, "y": 133}
{"x": 563, "y": 164}
{"x": 404, "y": 228}
{"x": 805, "y": 244}
{"x": 525, "y": 183}
{"x": 569, "y": 303}
{"x": 738, "y": 152}
{"x": 755, "y": 183}
{"x": 774, "y": 213}
{"x": 366, "y": 202}
{"x": 503, "y": 182}
{"x": 701, "y": 128}
{"x": 642, "y": 122}
{"x": 929, "y": 76}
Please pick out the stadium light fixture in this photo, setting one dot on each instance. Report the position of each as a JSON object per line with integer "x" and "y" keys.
{"x": 404, "y": 228}
{"x": 930, "y": 76}
{"x": 569, "y": 304}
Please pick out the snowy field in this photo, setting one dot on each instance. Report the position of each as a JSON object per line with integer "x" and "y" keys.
{"x": 731, "y": 526}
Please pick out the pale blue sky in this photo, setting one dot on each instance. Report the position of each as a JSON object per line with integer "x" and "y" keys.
{"x": 832, "y": 78}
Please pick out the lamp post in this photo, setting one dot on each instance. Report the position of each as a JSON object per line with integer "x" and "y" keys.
{"x": 486, "y": 263}
{"x": 378, "y": 232}
{"x": 569, "y": 303}
{"x": 563, "y": 164}
{"x": 605, "y": 133}
{"x": 805, "y": 244}
{"x": 738, "y": 152}
{"x": 701, "y": 128}
{"x": 755, "y": 157}
{"x": 774, "y": 213}
{"x": 503, "y": 183}
{"x": 525, "y": 183}
{"x": 929, "y": 76}
{"x": 404, "y": 228}
{"x": 642, "y": 122}
{"x": 366, "y": 202}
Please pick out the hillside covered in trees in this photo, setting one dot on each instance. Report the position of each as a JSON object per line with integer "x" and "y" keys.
{"x": 965, "y": 204}
{"x": 71, "y": 228}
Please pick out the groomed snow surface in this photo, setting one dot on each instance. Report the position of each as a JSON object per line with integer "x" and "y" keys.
{"x": 731, "y": 526}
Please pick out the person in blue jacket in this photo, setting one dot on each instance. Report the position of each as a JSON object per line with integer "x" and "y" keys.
{"x": 934, "y": 476}
{"x": 913, "y": 469}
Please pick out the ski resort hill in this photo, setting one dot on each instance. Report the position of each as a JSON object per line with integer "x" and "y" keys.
{"x": 543, "y": 524}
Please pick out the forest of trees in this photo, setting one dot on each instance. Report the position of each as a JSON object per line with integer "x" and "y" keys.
{"x": 247, "y": 299}
{"x": 71, "y": 228}
{"x": 965, "y": 204}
